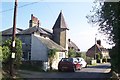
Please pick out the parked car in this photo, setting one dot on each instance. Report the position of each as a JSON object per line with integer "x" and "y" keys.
{"x": 82, "y": 62}
{"x": 69, "y": 64}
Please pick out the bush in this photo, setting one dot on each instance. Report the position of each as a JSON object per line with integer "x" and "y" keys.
{"x": 115, "y": 59}
{"x": 32, "y": 65}
{"x": 71, "y": 53}
{"x": 7, "y": 51}
{"x": 88, "y": 60}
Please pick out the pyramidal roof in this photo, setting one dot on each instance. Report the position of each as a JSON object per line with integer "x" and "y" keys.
{"x": 60, "y": 22}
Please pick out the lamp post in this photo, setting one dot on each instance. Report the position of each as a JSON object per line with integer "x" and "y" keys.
{"x": 13, "y": 41}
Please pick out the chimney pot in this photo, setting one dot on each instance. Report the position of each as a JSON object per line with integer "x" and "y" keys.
{"x": 31, "y": 16}
{"x": 99, "y": 42}
{"x": 69, "y": 40}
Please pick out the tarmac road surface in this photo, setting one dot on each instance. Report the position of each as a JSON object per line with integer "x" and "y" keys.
{"x": 98, "y": 72}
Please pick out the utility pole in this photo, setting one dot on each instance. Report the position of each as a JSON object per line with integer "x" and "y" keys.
{"x": 95, "y": 45}
{"x": 13, "y": 41}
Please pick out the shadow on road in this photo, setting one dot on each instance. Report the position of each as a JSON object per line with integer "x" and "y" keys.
{"x": 102, "y": 65}
{"x": 99, "y": 72}
{"x": 69, "y": 76}
{"x": 66, "y": 79}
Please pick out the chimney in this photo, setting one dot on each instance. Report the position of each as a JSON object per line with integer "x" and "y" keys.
{"x": 31, "y": 22}
{"x": 34, "y": 21}
{"x": 31, "y": 16}
{"x": 68, "y": 40}
{"x": 99, "y": 42}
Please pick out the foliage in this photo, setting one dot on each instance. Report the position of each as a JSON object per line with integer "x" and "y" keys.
{"x": 115, "y": 59}
{"x": 78, "y": 54}
{"x": 98, "y": 56}
{"x": 81, "y": 54}
{"x": 107, "y": 16}
{"x": 7, "y": 50}
{"x": 88, "y": 60}
{"x": 1, "y": 54}
{"x": 31, "y": 67}
{"x": 18, "y": 52}
{"x": 52, "y": 53}
{"x": 51, "y": 56}
{"x": 5, "y": 53}
{"x": 71, "y": 53}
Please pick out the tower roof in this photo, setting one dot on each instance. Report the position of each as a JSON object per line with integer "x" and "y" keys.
{"x": 60, "y": 22}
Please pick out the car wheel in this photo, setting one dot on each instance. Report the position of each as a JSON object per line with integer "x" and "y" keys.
{"x": 74, "y": 69}
{"x": 59, "y": 70}
{"x": 81, "y": 66}
{"x": 86, "y": 66}
{"x": 62, "y": 70}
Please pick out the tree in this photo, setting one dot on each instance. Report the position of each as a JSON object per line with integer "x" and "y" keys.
{"x": 79, "y": 54}
{"x": 1, "y": 54}
{"x": 7, "y": 50}
{"x": 5, "y": 53}
{"x": 107, "y": 16}
{"x": 71, "y": 53}
{"x": 51, "y": 56}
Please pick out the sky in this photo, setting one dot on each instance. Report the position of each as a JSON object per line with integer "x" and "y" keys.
{"x": 74, "y": 11}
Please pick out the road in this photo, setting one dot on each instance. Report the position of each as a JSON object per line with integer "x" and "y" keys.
{"x": 101, "y": 72}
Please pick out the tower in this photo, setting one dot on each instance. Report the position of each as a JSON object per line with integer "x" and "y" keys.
{"x": 60, "y": 31}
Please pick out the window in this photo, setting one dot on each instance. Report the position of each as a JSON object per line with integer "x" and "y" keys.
{"x": 25, "y": 55}
{"x": 60, "y": 55}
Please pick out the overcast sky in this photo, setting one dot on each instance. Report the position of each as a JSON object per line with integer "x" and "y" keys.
{"x": 74, "y": 12}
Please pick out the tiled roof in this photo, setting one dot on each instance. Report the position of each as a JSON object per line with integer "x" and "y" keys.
{"x": 27, "y": 31}
{"x": 35, "y": 29}
{"x": 72, "y": 45}
{"x": 47, "y": 30}
{"x": 60, "y": 22}
{"x": 50, "y": 44}
{"x": 10, "y": 30}
{"x": 95, "y": 48}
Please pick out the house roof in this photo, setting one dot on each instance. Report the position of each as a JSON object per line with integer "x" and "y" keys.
{"x": 27, "y": 31}
{"x": 60, "y": 22}
{"x": 51, "y": 44}
{"x": 47, "y": 30}
{"x": 35, "y": 29}
{"x": 73, "y": 45}
{"x": 101, "y": 48}
{"x": 95, "y": 48}
{"x": 10, "y": 30}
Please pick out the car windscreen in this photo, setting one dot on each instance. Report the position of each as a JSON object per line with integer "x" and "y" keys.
{"x": 65, "y": 59}
{"x": 74, "y": 60}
